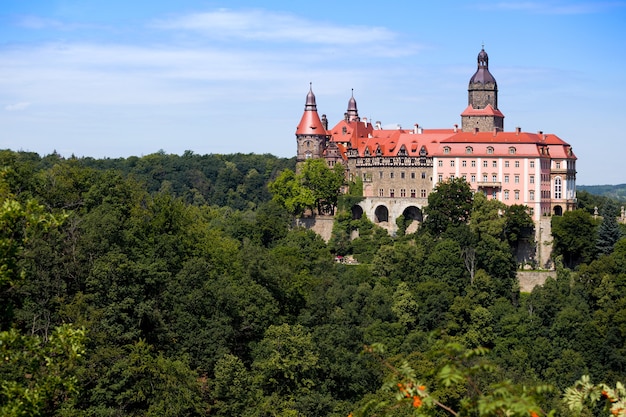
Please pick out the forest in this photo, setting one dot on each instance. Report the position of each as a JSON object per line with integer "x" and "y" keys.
{"x": 168, "y": 285}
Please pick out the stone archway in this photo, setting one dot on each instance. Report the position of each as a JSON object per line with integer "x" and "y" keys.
{"x": 381, "y": 214}
{"x": 413, "y": 213}
{"x": 357, "y": 212}
{"x": 558, "y": 210}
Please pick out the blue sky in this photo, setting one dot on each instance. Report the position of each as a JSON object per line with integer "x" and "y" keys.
{"x": 117, "y": 78}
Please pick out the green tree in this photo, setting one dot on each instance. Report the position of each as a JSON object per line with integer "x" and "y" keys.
{"x": 608, "y": 233}
{"x": 40, "y": 378}
{"x": 450, "y": 204}
{"x": 574, "y": 237}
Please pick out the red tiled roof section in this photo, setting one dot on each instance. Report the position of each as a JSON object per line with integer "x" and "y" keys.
{"x": 487, "y": 111}
{"x": 310, "y": 124}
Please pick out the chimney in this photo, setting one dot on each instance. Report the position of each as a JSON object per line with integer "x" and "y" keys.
{"x": 399, "y": 127}
{"x": 365, "y": 121}
{"x": 415, "y": 128}
{"x": 456, "y": 128}
{"x": 518, "y": 130}
{"x": 324, "y": 122}
{"x": 378, "y": 125}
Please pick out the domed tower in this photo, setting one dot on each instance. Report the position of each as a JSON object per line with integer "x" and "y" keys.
{"x": 311, "y": 135}
{"x": 352, "y": 114}
{"x": 482, "y": 100}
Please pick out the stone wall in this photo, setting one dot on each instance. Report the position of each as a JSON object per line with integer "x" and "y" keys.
{"x": 530, "y": 279}
{"x": 322, "y": 225}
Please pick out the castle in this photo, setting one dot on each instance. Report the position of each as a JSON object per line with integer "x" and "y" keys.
{"x": 400, "y": 167}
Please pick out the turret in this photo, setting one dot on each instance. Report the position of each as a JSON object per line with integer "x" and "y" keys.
{"x": 311, "y": 135}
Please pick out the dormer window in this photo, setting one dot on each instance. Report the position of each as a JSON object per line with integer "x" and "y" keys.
{"x": 490, "y": 150}
{"x": 344, "y": 130}
{"x": 446, "y": 149}
{"x": 512, "y": 150}
{"x": 469, "y": 149}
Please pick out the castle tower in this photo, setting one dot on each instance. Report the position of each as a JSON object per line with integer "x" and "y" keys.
{"x": 352, "y": 114}
{"x": 311, "y": 135}
{"x": 482, "y": 112}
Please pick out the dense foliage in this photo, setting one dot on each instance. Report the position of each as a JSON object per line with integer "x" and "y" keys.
{"x": 130, "y": 294}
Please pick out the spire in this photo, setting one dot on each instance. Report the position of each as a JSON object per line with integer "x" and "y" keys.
{"x": 352, "y": 113}
{"x": 310, "y": 124}
{"x": 310, "y": 100}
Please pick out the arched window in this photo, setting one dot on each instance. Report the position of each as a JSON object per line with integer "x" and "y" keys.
{"x": 469, "y": 149}
{"x": 446, "y": 149}
{"x": 512, "y": 150}
{"x": 489, "y": 150}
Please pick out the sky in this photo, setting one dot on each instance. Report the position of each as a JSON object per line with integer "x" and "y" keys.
{"x": 117, "y": 78}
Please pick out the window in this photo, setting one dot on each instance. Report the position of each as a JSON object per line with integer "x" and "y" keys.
{"x": 392, "y": 192}
{"x": 468, "y": 149}
{"x": 557, "y": 187}
{"x": 440, "y": 178}
{"x": 532, "y": 179}
{"x": 517, "y": 194}
{"x": 380, "y": 173}
{"x": 494, "y": 194}
{"x": 512, "y": 150}
{"x": 473, "y": 163}
{"x": 391, "y": 175}
{"x": 464, "y": 163}
{"x": 506, "y": 194}
{"x": 473, "y": 178}
{"x": 532, "y": 164}
{"x": 446, "y": 149}
{"x": 494, "y": 164}
{"x": 494, "y": 178}
{"x": 402, "y": 175}
{"x": 451, "y": 176}
{"x": 440, "y": 163}
{"x": 558, "y": 165}
{"x": 402, "y": 192}
{"x": 516, "y": 164}
{"x": 506, "y": 164}
{"x": 412, "y": 193}
{"x": 423, "y": 175}
{"x": 423, "y": 193}
{"x": 381, "y": 192}
{"x": 531, "y": 195}
{"x": 531, "y": 211}
{"x": 484, "y": 164}
{"x": 412, "y": 175}
{"x": 489, "y": 150}
{"x": 484, "y": 177}
{"x": 506, "y": 179}
{"x": 452, "y": 163}
{"x": 517, "y": 179}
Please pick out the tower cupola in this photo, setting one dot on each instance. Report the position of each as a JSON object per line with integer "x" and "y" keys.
{"x": 352, "y": 114}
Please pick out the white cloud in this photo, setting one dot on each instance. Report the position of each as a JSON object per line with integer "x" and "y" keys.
{"x": 17, "y": 106}
{"x": 259, "y": 25}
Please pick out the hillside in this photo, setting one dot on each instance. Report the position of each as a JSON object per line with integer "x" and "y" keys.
{"x": 617, "y": 192}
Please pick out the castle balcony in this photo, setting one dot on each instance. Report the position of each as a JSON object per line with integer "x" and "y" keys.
{"x": 489, "y": 184}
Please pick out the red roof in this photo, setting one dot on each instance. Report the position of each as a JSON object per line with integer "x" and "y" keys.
{"x": 487, "y": 111}
{"x": 310, "y": 124}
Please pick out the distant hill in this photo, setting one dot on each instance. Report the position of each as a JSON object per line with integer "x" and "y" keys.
{"x": 617, "y": 192}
